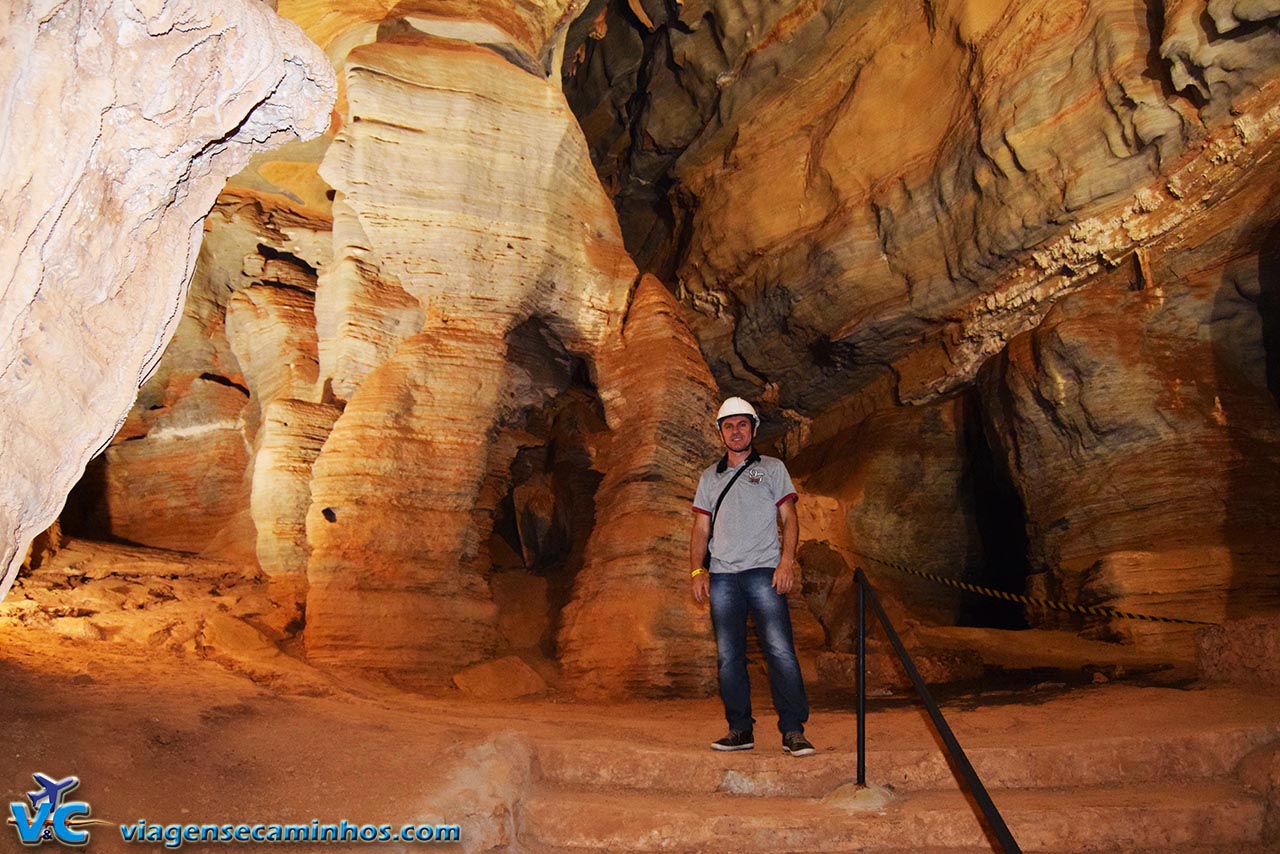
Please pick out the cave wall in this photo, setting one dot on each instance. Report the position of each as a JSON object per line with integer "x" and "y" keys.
{"x": 471, "y": 185}
{"x": 858, "y": 184}
{"x": 177, "y": 473}
{"x": 1141, "y": 434}
{"x": 382, "y": 356}
{"x": 89, "y": 297}
{"x": 907, "y": 486}
{"x": 983, "y": 266}
{"x": 870, "y": 205}
{"x": 933, "y": 216}
{"x": 631, "y": 626}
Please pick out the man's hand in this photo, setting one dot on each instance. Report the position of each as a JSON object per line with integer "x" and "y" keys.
{"x": 699, "y": 536}
{"x": 701, "y": 584}
{"x": 784, "y": 576}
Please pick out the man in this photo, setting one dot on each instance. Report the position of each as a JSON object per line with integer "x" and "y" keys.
{"x": 750, "y": 572}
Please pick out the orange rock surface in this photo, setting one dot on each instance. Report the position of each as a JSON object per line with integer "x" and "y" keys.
{"x": 998, "y": 275}
{"x": 632, "y": 624}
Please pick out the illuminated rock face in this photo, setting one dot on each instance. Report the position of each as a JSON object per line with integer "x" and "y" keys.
{"x": 467, "y": 199}
{"x": 886, "y": 184}
{"x": 905, "y": 485}
{"x": 180, "y": 484}
{"x": 289, "y": 440}
{"x": 632, "y": 625}
{"x": 932, "y": 216}
{"x": 528, "y": 32}
{"x": 362, "y": 313}
{"x": 994, "y": 272}
{"x": 98, "y": 234}
{"x": 870, "y": 205}
{"x": 372, "y": 397}
{"x": 182, "y": 472}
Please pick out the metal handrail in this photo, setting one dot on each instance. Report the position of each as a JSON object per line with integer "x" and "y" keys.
{"x": 867, "y": 593}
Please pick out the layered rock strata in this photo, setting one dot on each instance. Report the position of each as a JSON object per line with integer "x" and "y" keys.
{"x": 530, "y": 34}
{"x": 289, "y": 441}
{"x": 862, "y": 205}
{"x": 179, "y": 474}
{"x": 383, "y": 392}
{"x": 80, "y": 197}
{"x": 958, "y": 224}
{"x": 632, "y": 625}
{"x": 362, "y": 313}
{"x": 909, "y": 487}
{"x": 271, "y": 327}
{"x": 878, "y": 194}
{"x": 394, "y": 580}
{"x": 855, "y": 185}
{"x": 470, "y": 193}
{"x": 1141, "y": 435}
{"x": 183, "y": 481}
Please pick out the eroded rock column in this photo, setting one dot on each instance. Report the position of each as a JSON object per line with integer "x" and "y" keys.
{"x": 271, "y": 327}
{"x": 181, "y": 471}
{"x": 395, "y": 580}
{"x": 632, "y": 625}
{"x": 467, "y": 196}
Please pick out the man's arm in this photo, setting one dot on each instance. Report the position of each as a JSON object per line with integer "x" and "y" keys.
{"x": 699, "y": 536}
{"x": 784, "y": 575}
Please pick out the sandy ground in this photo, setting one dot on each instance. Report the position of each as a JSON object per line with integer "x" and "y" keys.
{"x": 169, "y": 699}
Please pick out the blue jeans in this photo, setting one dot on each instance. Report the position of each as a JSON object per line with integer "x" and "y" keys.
{"x": 734, "y": 595}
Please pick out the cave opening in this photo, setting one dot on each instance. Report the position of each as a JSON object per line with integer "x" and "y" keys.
{"x": 999, "y": 527}
{"x": 85, "y": 513}
{"x": 1269, "y": 306}
{"x": 545, "y": 514}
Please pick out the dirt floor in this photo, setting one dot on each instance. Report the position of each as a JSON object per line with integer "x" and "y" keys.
{"x": 158, "y": 681}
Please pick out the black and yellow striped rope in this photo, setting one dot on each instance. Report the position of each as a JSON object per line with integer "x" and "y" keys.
{"x": 1091, "y": 610}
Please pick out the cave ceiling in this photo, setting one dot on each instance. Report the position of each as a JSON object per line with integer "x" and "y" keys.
{"x": 873, "y": 197}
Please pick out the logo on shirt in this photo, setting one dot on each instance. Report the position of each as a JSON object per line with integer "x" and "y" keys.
{"x": 755, "y": 475}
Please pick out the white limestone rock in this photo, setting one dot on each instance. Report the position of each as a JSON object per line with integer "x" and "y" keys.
{"x": 119, "y": 123}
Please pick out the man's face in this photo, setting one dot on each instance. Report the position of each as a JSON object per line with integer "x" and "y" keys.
{"x": 737, "y": 431}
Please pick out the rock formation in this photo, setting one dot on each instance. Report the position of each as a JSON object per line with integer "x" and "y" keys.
{"x": 999, "y": 276}
{"x": 1142, "y": 438}
{"x": 247, "y": 305}
{"x": 912, "y": 486}
{"x": 472, "y": 190}
{"x": 863, "y": 204}
{"x": 100, "y": 234}
{"x": 386, "y": 399}
{"x": 632, "y": 625}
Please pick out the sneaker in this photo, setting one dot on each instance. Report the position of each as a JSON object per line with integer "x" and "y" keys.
{"x": 796, "y": 744}
{"x": 735, "y": 740}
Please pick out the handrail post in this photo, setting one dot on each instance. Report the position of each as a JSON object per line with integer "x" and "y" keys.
{"x": 966, "y": 772}
{"x": 862, "y": 679}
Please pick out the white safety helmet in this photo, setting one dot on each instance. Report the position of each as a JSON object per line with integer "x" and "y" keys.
{"x": 737, "y": 406}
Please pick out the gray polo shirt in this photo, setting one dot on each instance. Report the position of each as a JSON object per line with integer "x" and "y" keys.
{"x": 745, "y": 535}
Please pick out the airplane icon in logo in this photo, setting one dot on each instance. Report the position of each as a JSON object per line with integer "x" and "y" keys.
{"x": 53, "y": 792}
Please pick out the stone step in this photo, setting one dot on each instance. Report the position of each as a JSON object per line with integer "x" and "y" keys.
{"x": 1095, "y": 819}
{"x": 766, "y": 771}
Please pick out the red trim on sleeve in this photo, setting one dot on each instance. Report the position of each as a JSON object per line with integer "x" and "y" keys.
{"x": 700, "y": 510}
{"x": 790, "y": 497}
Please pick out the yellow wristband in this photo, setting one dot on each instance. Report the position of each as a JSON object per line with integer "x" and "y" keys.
{"x": 695, "y": 573}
